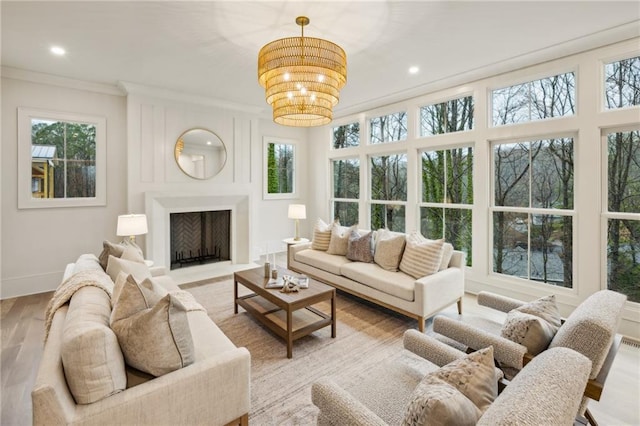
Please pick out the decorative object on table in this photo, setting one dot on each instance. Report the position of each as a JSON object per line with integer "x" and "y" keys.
{"x": 130, "y": 225}
{"x": 297, "y": 212}
{"x": 274, "y": 274}
{"x": 285, "y": 68}
{"x": 289, "y": 286}
{"x": 267, "y": 269}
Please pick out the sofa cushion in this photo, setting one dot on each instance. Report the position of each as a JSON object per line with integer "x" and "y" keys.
{"x": 91, "y": 357}
{"x": 321, "y": 260}
{"x": 395, "y": 284}
{"x": 437, "y": 403}
{"x": 474, "y": 375}
{"x": 389, "y": 249}
{"x": 359, "y": 247}
{"x": 528, "y": 330}
{"x": 421, "y": 257}
{"x": 322, "y": 235}
{"x": 140, "y": 271}
{"x": 153, "y": 332}
{"x": 340, "y": 239}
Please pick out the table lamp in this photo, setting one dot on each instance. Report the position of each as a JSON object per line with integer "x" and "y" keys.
{"x": 131, "y": 225}
{"x": 297, "y": 212}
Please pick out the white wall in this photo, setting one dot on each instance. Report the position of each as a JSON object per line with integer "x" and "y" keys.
{"x": 586, "y": 127}
{"x": 156, "y": 122}
{"x": 38, "y": 243}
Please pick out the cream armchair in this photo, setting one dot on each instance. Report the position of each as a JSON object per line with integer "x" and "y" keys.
{"x": 547, "y": 391}
{"x": 590, "y": 330}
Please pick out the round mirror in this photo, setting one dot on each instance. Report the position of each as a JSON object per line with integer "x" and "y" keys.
{"x": 200, "y": 153}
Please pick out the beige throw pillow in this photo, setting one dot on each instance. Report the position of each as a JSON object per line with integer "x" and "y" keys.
{"x": 447, "y": 252}
{"x": 140, "y": 271}
{"x": 322, "y": 235}
{"x": 153, "y": 331}
{"x": 437, "y": 403}
{"x": 528, "y": 330}
{"x": 474, "y": 375}
{"x": 110, "y": 249}
{"x": 91, "y": 357}
{"x": 389, "y": 249}
{"x": 339, "y": 242}
{"x": 421, "y": 257}
{"x": 359, "y": 248}
{"x": 545, "y": 308}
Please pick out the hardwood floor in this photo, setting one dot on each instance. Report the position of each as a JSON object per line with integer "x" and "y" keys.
{"x": 22, "y": 328}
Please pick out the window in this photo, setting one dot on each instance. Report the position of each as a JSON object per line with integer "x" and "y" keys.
{"x": 346, "y": 190}
{"x": 623, "y": 213}
{"x": 61, "y": 159}
{"x": 346, "y": 136}
{"x": 447, "y": 117}
{"x": 533, "y": 210}
{"x": 622, "y": 83}
{"x": 388, "y": 192}
{"x": 535, "y": 100}
{"x": 279, "y": 169}
{"x": 388, "y": 128}
{"x": 447, "y": 196}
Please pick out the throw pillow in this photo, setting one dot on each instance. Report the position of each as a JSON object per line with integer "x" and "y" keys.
{"x": 437, "y": 403}
{"x": 140, "y": 271}
{"x": 157, "y": 340}
{"x": 91, "y": 357}
{"x": 528, "y": 330}
{"x": 545, "y": 308}
{"x": 474, "y": 375}
{"x": 447, "y": 252}
{"x": 359, "y": 247}
{"x": 109, "y": 249}
{"x": 132, "y": 297}
{"x": 322, "y": 235}
{"x": 339, "y": 242}
{"x": 421, "y": 258}
{"x": 389, "y": 249}
{"x": 133, "y": 254}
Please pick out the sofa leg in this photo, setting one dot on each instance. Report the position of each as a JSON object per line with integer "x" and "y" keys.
{"x": 421, "y": 324}
{"x": 240, "y": 421}
{"x": 460, "y": 306}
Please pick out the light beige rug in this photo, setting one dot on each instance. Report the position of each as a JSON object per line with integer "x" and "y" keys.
{"x": 367, "y": 335}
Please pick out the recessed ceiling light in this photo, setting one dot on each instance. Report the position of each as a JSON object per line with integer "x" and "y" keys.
{"x": 413, "y": 70}
{"x": 57, "y": 50}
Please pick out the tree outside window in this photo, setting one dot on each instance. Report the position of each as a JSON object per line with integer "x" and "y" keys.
{"x": 63, "y": 163}
{"x": 388, "y": 128}
{"x": 622, "y": 83}
{"x": 447, "y": 197}
{"x": 535, "y": 100}
{"x": 346, "y": 190}
{"x": 346, "y": 136}
{"x": 280, "y": 169}
{"x": 455, "y": 115}
{"x": 533, "y": 210}
{"x": 623, "y": 217}
{"x": 388, "y": 192}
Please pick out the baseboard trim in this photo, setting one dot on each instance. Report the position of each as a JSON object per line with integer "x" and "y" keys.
{"x": 30, "y": 284}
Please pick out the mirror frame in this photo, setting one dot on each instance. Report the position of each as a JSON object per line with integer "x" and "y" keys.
{"x": 176, "y": 154}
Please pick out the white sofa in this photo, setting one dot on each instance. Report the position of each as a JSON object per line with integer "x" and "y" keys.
{"x": 416, "y": 298}
{"x": 213, "y": 390}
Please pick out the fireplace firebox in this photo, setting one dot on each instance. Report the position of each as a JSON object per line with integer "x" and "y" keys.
{"x": 200, "y": 237}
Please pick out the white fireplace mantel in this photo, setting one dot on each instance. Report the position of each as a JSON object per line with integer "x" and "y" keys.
{"x": 159, "y": 205}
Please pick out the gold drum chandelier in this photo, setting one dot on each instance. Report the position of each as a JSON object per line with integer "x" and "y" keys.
{"x": 302, "y": 77}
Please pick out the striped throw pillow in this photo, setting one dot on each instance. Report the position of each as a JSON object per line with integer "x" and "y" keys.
{"x": 322, "y": 235}
{"x": 421, "y": 257}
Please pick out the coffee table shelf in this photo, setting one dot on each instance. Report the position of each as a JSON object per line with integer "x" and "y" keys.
{"x": 288, "y": 315}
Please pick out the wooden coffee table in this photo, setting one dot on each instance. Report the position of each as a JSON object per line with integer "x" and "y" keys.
{"x": 288, "y": 315}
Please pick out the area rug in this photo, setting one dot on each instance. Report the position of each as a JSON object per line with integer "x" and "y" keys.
{"x": 367, "y": 335}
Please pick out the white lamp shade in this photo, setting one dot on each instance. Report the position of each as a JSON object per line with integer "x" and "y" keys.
{"x": 132, "y": 224}
{"x": 297, "y": 211}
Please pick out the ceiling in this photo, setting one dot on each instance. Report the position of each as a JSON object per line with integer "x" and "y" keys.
{"x": 209, "y": 48}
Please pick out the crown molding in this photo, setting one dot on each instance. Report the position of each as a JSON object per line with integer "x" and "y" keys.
{"x": 593, "y": 41}
{"x": 56, "y": 80}
{"x": 162, "y": 93}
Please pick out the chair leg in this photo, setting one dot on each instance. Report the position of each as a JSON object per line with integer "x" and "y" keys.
{"x": 592, "y": 421}
{"x": 460, "y": 306}
{"x": 421, "y": 324}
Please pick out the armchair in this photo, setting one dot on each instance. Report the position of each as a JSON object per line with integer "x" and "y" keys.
{"x": 589, "y": 330}
{"x": 547, "y": 391}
